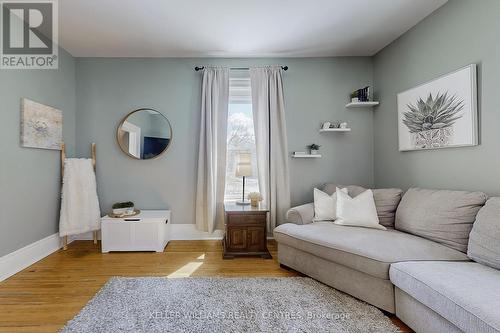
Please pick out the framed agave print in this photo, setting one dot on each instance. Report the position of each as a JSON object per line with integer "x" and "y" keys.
{"x": 441, "y": 113}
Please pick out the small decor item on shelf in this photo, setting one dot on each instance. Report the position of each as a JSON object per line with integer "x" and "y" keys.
{"x": 343, "y": 125}
{"x": 354, "y": 97}
{"x": 314, "y": 148}
{"x": 123, "y": 208}
{"x": 335, "y": 124}
{"x": 361, "y": 95}
{"x": 295, "y": 153}
{"x": 326, "y": 125}
{"x": 255, "y": 198}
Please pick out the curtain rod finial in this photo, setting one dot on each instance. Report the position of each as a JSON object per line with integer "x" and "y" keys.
{"x": 285, "y": 68}
{"x": 199, "y": 68}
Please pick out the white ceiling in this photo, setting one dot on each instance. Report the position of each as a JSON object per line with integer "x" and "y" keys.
{"x": 235, "y": 28}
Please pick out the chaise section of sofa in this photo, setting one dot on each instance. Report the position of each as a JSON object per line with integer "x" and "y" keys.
{"x": 353, "y": 259}
{"x": 451, "y": 296}
{"x": 459, "y": 296}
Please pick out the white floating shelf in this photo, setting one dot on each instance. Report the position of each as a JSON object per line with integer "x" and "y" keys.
{"x": 306, "y": 156}
{"x": 361, "y": 104}
{"x": 335, "y": 130}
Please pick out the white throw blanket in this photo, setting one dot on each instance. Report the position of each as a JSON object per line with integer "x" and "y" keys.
{"x": 80, "y": 206}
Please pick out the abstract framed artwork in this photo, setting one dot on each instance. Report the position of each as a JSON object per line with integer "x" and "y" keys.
{"x": 441, "y": 113}
{"x": 41, "y": 125}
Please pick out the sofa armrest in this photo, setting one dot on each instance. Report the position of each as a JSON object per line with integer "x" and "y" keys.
{"x": 303, "y": 214}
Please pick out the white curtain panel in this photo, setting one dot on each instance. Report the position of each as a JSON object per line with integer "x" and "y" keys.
{"x": 212, "y": 149}
{"x": 271, "y": 141}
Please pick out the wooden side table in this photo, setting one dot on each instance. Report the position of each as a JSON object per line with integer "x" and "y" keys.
{"x": 245, "y": 231}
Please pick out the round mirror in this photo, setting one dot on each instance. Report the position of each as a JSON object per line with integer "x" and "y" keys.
{"x": 144, "y": 134}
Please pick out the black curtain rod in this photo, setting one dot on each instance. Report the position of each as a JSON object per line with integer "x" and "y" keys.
{"x": 285, "y": 68}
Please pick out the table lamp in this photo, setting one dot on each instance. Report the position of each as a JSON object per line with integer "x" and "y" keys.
{"x": 244, "y": 169}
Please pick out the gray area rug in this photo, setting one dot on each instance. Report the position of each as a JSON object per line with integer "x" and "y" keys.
{"x": 225, "y": 305}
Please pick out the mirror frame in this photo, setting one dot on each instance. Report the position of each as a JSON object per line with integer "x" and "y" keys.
{"x": 121, "y": 124}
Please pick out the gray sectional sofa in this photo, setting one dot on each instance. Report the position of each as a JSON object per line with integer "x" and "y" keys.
{"x": 436, "y": 267}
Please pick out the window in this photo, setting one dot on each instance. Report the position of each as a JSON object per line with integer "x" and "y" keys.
{"x": 240, "y": 136}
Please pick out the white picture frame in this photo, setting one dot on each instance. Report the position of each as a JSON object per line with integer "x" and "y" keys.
{"x": 441, "y": 113}
{"x": 41, "y": 125}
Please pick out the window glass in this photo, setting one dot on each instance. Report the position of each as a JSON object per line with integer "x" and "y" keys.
{"x": 240, "y": 136}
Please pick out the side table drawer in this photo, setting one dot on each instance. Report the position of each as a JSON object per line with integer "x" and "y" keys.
{"x": 257, "y": 219}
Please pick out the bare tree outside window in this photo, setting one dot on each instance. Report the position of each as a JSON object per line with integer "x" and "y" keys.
{"x": 240, "y": 137}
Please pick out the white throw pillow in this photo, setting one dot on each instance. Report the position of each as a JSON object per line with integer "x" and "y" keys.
{"x": 359, "y": 211}
{"x": 325, "y": 205}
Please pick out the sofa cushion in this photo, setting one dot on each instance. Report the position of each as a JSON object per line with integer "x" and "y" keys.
{"x": 465, "y": 293}
{"x": 484, "y": 239}
{"x": 367, "y": 250}
{"x": 443, "y": 216}
{"x": 386, "y": 200}
{"x": 352, "y": 190}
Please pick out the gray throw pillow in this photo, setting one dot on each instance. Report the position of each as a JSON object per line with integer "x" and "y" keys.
{"x": 386, "y": 200}
{"x": 484, "y": 239}
{"x": 442, "y": 216}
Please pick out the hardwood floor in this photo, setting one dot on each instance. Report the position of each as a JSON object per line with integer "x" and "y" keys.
{"x": 44, "y": 296}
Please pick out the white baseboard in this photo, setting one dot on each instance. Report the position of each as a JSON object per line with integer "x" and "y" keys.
{"x": 16, "y": 261}
{"x": 85, "y": 236}
{"x": 177, "y": 232}
{"x": 189, "y": 232}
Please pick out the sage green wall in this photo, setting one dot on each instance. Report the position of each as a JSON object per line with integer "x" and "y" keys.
{"x": 30, "y": 178}
{"x": 459, "y": 33}
{"x": 316, "y": 90}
